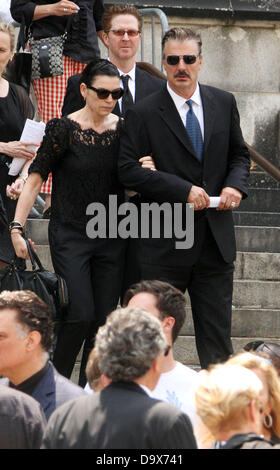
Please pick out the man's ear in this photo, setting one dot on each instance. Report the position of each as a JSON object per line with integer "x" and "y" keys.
{"x": 33, "y": 340}
{"x": 167, "y": 326}
{"x": 105, "y": 39}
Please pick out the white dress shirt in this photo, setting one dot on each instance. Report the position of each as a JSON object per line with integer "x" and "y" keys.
{"x": 183, "y": 108}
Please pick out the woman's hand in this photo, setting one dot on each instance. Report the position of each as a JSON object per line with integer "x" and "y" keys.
{"x": 147, "y": 162}
{"x": 20, "y": 244}
{"x": 64, "y": 7}
{"x": 14, "y": 191}
{"x": 19, "y": 149}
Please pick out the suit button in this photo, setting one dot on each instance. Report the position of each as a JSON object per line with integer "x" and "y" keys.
{"x": 204, "y": 185}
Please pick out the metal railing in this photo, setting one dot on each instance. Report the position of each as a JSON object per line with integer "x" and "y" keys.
{"x": 153, "y": 13}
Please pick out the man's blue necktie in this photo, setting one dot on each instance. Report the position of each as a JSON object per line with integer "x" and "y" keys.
{"x": 194, "y": 131}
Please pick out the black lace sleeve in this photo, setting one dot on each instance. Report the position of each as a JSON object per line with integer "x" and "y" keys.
{"x": 52, "y": 149}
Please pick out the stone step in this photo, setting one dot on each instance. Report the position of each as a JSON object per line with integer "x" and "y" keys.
{"x": 185, "y": 348}
{"x": 251, "y": 266}
{"x": 261, "y": 199}
{"x": 257, "y": 266}
{"x": 258, "y": 239}
{"x": 246, "y": 322}
{"x": 259, "y": 179}
{"x": 266, "y": 219}
{"x": 248, "y": 238}
{"x": 255, "y": 294}
{"x": 185, "y": 351}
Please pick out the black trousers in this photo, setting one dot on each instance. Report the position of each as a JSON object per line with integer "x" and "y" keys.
{"x": 93, "y": 270}
{"x": 209, "y": 281}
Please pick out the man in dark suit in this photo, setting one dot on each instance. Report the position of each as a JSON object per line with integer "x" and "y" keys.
{"x": 26, "y": 332}
{"x": 215, "y": 163}
{"x": 122, "y": 25}
{"x": 130, "y": 348}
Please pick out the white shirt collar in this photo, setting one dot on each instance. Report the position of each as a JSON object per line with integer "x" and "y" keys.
{"x": 131, "y": 73}
{"x": 180, "y": 101}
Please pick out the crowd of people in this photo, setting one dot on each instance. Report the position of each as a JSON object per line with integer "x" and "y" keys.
{"x": 118, "y": 131}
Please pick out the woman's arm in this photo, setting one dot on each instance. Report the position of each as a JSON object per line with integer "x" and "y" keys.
{"x": 61, "y": 8}
{"x": 15, "y": 189}
{"x": 24, "y": 206}
{"x": 33, "y": 12}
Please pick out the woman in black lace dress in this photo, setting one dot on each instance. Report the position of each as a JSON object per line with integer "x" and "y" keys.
{"x": 81, "y": 152}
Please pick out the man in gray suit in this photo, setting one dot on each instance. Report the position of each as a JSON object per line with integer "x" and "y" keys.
{"x": 26, "y": 338}
{"x": 130, "y": 348}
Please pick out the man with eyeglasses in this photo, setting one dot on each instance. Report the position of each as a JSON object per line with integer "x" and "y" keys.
{"x": 193, "y": 133}
{"x": 122, "y": 25}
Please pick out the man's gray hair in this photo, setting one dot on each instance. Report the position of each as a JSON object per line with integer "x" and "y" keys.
{"x": 182, "y": 34}
{"x": 128, "y": 344}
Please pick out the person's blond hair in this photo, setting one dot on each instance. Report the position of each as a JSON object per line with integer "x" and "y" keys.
{"x": 254, "y": 361}
{"x": 223, "y": 395}
{"x": 10, "y": 30}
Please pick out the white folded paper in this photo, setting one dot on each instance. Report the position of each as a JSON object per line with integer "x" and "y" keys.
{"x": 33, "y": 131}
{"x": 214, "y": 201}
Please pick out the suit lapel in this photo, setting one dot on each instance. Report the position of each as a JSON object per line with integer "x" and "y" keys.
{"x": 170, "y": 115}
{"x": 208, "y": 104}
{"x": 45, "y": 392}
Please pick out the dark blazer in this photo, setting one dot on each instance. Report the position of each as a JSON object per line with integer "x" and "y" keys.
{"x": 154, "y": 126}
{"x": 53, "y": 390}
{"x": 146, "y": 84}
{"x": 122, "y": 416}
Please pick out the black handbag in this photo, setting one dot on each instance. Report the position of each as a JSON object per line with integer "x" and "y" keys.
{"x": 19, "y": 69}
{"x": 50, "y": 287}
{"x": 47, "y": 60}
{"x": 47, "y": 54}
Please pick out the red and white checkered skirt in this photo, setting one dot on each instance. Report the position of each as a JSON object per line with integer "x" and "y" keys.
{"x": 49, "y": 94}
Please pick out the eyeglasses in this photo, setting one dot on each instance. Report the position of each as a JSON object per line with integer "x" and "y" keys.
{"x": 102, "y": 93}
{"x": 188, "y": 59}
{"x": 260, "y": 346}
{"x": 132, "y": 33}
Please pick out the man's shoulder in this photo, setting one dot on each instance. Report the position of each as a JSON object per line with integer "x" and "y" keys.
{"x": 65, "y": 387}
{"x": 74, "y": 79}
{"x": 215, "y": 92}
{"x": 150, "y": 75}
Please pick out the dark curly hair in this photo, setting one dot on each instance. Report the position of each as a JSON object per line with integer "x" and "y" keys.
{"x": 32, "y": 313}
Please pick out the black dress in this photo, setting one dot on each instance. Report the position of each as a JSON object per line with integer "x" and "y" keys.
{"x": 84, "y": 168}
{"x": 15, "y": 108}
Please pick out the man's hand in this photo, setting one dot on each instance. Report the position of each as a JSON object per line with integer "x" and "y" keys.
{"x": 199, "y": 198}
{"x": 230, "y": 199}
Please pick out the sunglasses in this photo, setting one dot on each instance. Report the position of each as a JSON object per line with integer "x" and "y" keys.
{"x": 260, "y": 346}
{"x": 132, "y": 33}
{"x": 188, "y": 59}
{"x": 102, "y": 93}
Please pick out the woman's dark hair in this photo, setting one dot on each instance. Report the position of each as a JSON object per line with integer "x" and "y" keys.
{"x": 98, "y": 67}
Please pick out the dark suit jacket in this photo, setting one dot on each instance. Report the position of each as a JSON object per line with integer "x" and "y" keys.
{"x": 53, "y": 390}
{"x": 154, "y": 126}
{"x": 122, "y": 416}
{"x": 145, "y": 85}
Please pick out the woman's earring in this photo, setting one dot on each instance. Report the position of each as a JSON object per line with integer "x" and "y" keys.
{"x": 268, "y": 421}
